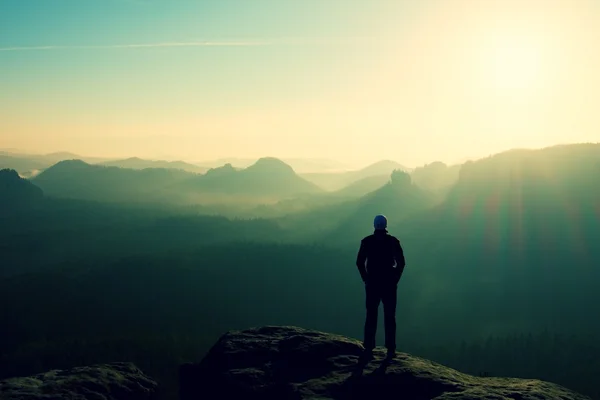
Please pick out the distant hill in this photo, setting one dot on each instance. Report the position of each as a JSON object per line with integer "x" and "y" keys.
{"x": 138, "y": 163}
{"x": 338, "y": 180}
{"x": 351, "y": 219}
{"x": 397, "y": 200}
{"x": 224, "y": 171}
{"x": 436, "y": 176}
{"x": 300, "y": 165}
{"x": 519, "y": 216}
{"x": 30, "y": 165}
{"x": 26, "y": 167}
{"x": 314, "y": 165}
{"x": 364, "y": 186}
{"x": 559, "y": 179}
{"x": 79, "y": 180}
{"x": 316, "y": 206}
{"x": 267, "y": 178}
{"x": 238, "y": 163}
{"x": 16, "y": 192}
{"x": 65, "y": 156}
{"x": 384, "y": 167}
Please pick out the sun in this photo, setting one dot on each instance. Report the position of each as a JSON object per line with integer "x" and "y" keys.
{"x": 511, "y": 62}
{"x": 514, "y": 65}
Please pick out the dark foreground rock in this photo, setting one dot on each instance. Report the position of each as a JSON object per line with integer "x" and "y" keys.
{"x": 292, "y": 363}
{"x": 118, "y": 381}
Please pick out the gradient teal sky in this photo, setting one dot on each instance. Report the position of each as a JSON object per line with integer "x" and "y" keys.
{"x": 357, "y": 81}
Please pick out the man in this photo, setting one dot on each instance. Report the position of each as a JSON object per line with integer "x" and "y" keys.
{"x": 380, "y": 262}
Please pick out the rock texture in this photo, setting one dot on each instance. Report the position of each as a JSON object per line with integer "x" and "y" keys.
{"x": 118, "y": 381}
{"x": 292, "y": 363}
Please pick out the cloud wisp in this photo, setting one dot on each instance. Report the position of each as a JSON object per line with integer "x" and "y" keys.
{"x": 286, "y": 41}
{"x": 142, "y": 45}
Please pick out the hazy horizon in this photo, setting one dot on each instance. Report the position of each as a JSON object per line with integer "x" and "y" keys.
{"x": 322, "y": 165}
{"x": 414, "y": 82}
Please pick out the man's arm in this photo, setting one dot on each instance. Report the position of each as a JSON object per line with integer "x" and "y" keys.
{"x": 399, "y": 254}
{"x": 400, "y": 261}
{"x": 361, "y": 260}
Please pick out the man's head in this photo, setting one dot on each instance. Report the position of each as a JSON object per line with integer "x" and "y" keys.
{"x": 380, "y": 223}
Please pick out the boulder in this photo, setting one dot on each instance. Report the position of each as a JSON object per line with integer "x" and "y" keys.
{"x": 294, "y": 363}
{"x": 118, "y": 381}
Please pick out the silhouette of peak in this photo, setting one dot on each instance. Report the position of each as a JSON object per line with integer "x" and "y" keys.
{"x": 271, "y": 164}
{"x": 72, "y": 163}
{"x": 436, "y": 164}
{"x": 8, "y": 175}
{"x": 523, "y": 164}
{"x": 65, "y": 168}
{"x": 385, "y": 163}
{"x": 398, "y": 190}
{"x": 294, "y": 363}
{"x": 266, "y": 177}
{"x": 16, "y": 192}
{"x": 226, "y": 169}
{"x": 400, "y": 178}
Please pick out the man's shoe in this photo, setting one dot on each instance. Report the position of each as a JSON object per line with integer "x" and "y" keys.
{"x": 391, "y": 354}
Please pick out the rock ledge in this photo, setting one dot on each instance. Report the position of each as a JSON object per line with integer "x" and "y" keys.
{"x": 117, "y": 381}
{"x": 294, "y": 363}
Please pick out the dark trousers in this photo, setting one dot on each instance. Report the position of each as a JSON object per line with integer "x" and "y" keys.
{"x": 384, "y": 292}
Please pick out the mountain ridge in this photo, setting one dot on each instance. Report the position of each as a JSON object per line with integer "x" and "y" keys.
{"x": 140, "y": 163}
{"x": 335, "y": 181}
{"x": 267, "y": 178}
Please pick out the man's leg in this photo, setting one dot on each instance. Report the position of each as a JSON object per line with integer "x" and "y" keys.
{"x": 389, "y": 299}
{"x": 372, "y": 303}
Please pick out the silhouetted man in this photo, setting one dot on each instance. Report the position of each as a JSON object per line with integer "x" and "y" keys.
{"x": 380, "y": 262}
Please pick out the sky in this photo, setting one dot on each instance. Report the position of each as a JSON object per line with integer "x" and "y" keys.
{"x": 352, "y": 80}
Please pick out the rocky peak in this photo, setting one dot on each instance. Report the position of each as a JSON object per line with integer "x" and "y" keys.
{"x": 16, "y": 192}
{"x": 293, "y": 363}
{"x": 9, "y": 175}
{"x": 271, "y": 165}
{"x": 71, "y": 164}
{"x": 226, "y": 169}
{"x": 117, "y": 381}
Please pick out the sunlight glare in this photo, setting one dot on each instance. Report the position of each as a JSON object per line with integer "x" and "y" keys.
{"x": 512, "y": 62}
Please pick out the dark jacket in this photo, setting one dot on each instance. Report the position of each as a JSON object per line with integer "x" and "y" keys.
{"x": 378, "y": 255}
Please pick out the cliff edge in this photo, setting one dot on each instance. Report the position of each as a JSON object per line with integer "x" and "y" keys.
{"x": 294, "y": 363}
